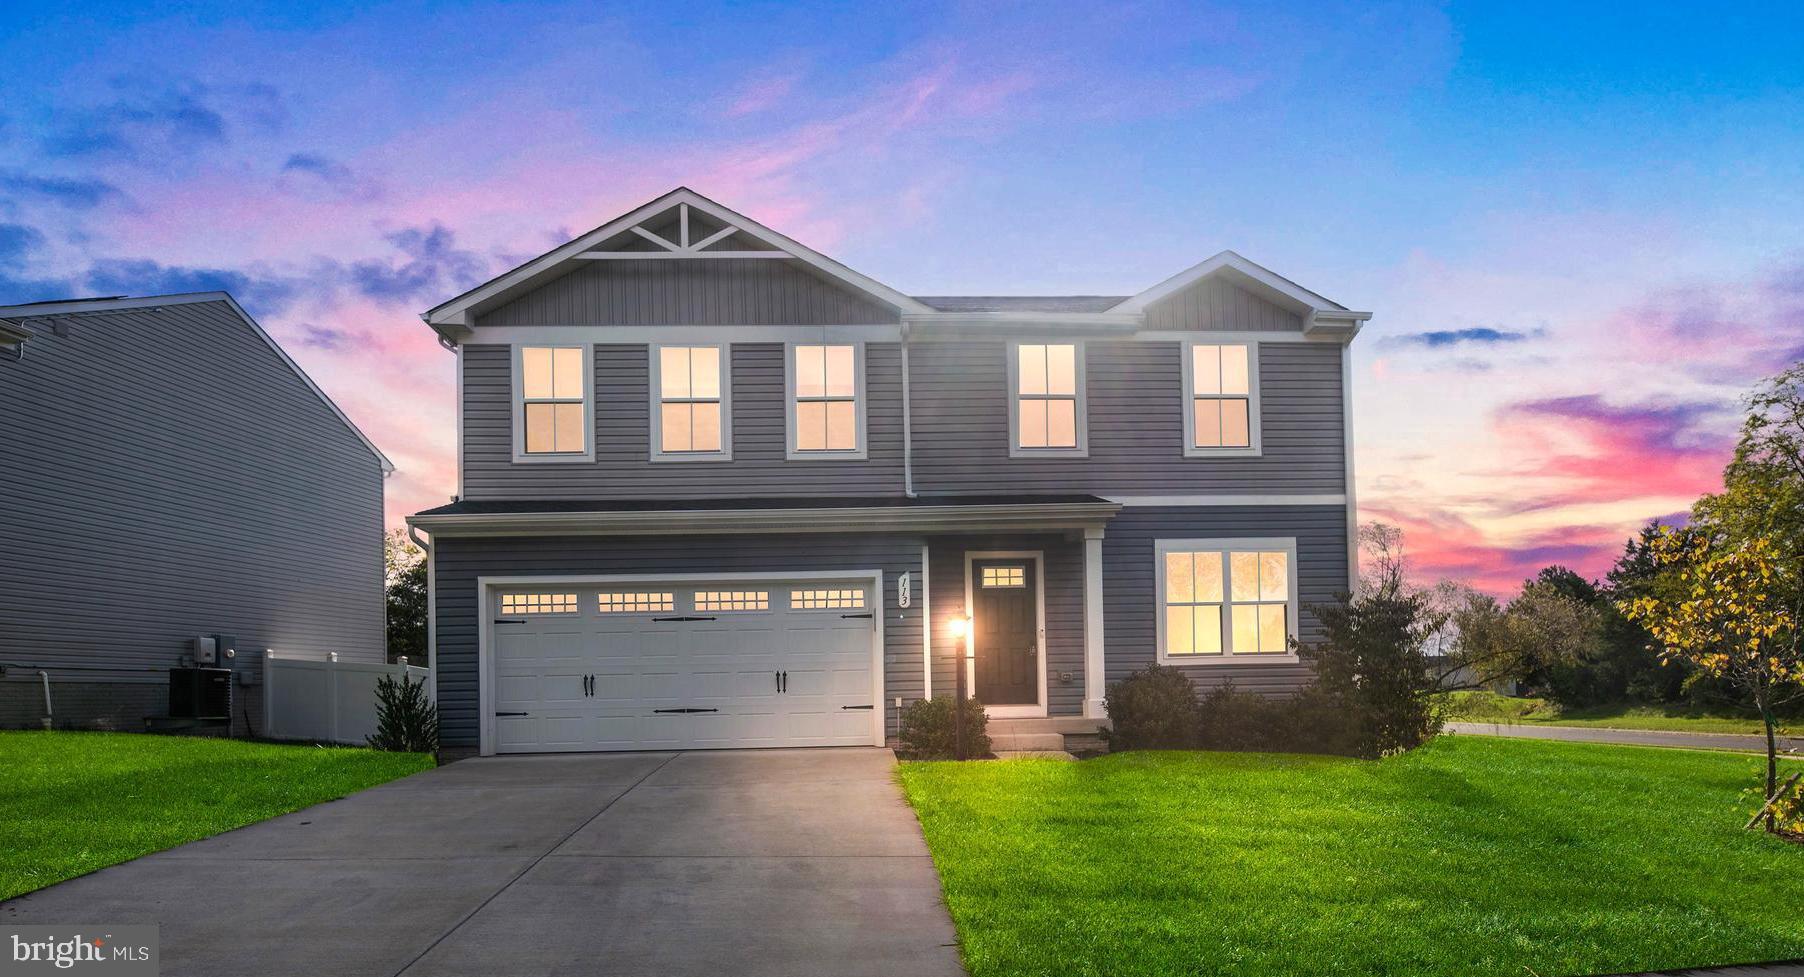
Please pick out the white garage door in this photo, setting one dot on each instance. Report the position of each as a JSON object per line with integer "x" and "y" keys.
{"x": 655, "y": 666}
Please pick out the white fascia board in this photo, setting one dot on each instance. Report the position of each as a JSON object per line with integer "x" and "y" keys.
{"x": 1229, "y": 261}
{"x": 978, "y": 325}
{"x": 1051, "y": 517}
{"x": 456, "y": 312}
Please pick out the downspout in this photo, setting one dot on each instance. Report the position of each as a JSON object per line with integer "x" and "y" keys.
{"x": 908, "y": 437}
{"x": 49, "y": 713}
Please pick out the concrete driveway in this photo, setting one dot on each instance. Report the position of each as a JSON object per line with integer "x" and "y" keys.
{"x": 786, "y": 862}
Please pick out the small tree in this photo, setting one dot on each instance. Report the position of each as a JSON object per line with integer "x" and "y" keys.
{"x": 405, "y": 582}
{"x": 1736, "y": 617}
{"x": 406, "y": 719}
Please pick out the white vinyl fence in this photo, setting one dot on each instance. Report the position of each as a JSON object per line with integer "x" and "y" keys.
{"x": 325, "y": 700}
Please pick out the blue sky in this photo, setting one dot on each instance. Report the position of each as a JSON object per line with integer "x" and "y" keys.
{"x": 1581, "y": 228}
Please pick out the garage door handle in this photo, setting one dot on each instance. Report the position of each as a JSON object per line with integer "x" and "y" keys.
{"x": 513, "y": 714}
{"x": 682, "y": 619}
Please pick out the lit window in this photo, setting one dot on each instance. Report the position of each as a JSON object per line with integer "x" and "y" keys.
{"x": 1236, "y": 601}
{"x": 1222, "y": 410}
{"x": 554, "y": 394}
{"x": 538, "y": 603}
{"x": 820, "y": 600}
{"x": 732, "y": 600}
{"x": 1048, "y": 410}
{"x": 691, "y": 392}
{"x": 824, "y": 395}
{"x": 635, "y": 602}
{"x": 1004, "y": 576}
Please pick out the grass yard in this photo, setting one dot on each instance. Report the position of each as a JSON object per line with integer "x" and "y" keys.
{"x": 71, "y": 803}
{"x": 1489, "y": 707}
{"x": 1471, "y": 856}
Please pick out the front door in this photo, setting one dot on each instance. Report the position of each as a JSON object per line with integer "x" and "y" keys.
{"x": 1005, "y": 623}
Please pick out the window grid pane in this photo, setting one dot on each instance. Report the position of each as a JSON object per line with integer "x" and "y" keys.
{"x": 1251, "y": 618}
{"x": 732, "y": 600}
{"x": 689, "y": 415}
{"x": 1193, "y": 603}
{"x": 634, "y": 602}
{"x": 538, "y": 603}
{"x": 826, "y": 398}
{"x": 1046, "y": 382}
{"x": 820, "y": 600}
{"x": 1004, "y": 577}
{"x": 553, "y": 400}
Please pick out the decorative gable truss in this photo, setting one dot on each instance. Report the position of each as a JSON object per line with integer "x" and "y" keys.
{"x": 683, "y": 233}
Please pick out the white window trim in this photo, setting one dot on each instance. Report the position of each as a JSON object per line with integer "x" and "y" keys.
{"x": 587, "y": 455}
{"x": 1079, "y": 358}
{"x": 656, "y": 372}
{"x": 1256, "y": 447}
{"x": 1285, "y": 544}
{"x": 862, "y": 451}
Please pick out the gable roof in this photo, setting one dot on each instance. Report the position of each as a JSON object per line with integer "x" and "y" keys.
{"x": 1316, "y": 309}
{"x": 458, "y": 313}
{"x": 71, "y": 307}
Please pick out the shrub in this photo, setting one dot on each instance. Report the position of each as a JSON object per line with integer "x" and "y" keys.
{"x": 406, "y": 719}
{"x": 1152, "y": 709}
{"x": 927, "y": 731}
{"x": 1312, "y": 721}
{"x": 1372, "y": 661}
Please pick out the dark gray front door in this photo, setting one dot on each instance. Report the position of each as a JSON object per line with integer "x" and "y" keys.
{"x": 1006, "y": 625}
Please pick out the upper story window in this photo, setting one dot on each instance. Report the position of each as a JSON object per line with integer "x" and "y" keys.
{"x": 552, "y": 404}
{"x": 1226, "y": 599}
{"x": 826, "y": 401}
{"x": 1047, "y": 416}
{"x": 691, "y": 411}
{"x": 1221, "y": 399}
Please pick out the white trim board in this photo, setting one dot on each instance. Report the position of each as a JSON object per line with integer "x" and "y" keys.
{"x": 1170, "y": 501}
{"x": 1036, "y": 711}
{"x": 1049, "y": 517}
{"x": 485, "y": 632}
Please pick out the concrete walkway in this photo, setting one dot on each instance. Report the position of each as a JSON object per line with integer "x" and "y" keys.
{"x": 785, "y": 862}
{"x": 1630, "y": 737}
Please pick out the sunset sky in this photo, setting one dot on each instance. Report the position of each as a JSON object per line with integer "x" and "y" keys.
{"x": 1581, "y": 233}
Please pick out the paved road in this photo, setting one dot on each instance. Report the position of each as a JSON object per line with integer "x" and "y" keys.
{"x": 1632, "y": 737}
{"x": 786, "y": 862}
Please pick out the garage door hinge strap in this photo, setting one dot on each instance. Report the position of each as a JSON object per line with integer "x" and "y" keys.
{"x": 682, "y": 619}
{"x": 866, "y": 614}
{"x": 685, "y": 710}
{"x": 513, "y": 714}
{"x": 858, "y": 707}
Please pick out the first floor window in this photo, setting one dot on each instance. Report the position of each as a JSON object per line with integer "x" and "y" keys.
{"x": 691, "y": 408}
{"x": 1225, "y": 601}
{"x": 553, "y": 400}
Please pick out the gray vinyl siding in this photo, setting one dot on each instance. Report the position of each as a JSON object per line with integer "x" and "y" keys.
{"x": 165, "y": 473}
{"x": 1136, "y": 426}
{"x": 1130, "y": 598}
{"x": 622, "y": 468}
{"x": 1215, "y": 304}
{"x": 458, "y": 562}
{"x": 1063, "y": 574}
{"x": 696, "y": 292}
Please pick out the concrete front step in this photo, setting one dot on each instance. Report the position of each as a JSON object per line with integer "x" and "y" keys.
{"x": 1027, "y": 742}
{"x": 1075, "y": 725}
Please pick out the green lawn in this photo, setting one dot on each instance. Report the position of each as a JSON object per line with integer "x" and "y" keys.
{"x": 71, "y": 803}
{"x": 1489, "y": 707}
{"x": 1471, "y": 856}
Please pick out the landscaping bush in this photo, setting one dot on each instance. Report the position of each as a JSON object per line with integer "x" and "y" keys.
{"x": 1372, "y": 662}
{"x": 927, "y": 731}
{"x": 1152, "y": 709}
{"x": 1312, "y": 721}
{"x": 406, "y": 719}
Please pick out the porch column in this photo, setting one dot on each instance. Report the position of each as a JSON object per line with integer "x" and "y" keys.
{"x": 1093, "y": 673}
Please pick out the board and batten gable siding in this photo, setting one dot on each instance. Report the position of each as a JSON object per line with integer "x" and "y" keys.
{"x": 1130, "y": 594}
{"x": 1135, "y": 390}
{"x": 1215, "y": 304}
{"x": 695, "y": 292}
{"x": 167, "y": 474}
{"x": 458, "y": 562}
{"x": 622, "y": 468}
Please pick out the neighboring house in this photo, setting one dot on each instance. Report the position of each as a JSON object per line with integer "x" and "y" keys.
{"x": 168, "y": 472}
{"x": 719, "y": 490}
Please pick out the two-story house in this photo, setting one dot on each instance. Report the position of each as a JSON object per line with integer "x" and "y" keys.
{"x": 719, "y": 490}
